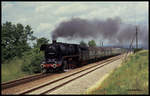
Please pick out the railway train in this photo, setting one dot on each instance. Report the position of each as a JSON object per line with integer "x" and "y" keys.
{"x": 61, "y": 56}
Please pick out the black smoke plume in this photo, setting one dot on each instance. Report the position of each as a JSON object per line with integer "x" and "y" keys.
{"x": 111, "y": 29}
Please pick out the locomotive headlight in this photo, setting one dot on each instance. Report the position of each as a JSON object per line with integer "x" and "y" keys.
{"x": 54, "y": 66}
{"x": 42, "y": 65}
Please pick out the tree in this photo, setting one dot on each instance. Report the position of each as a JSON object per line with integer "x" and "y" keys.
{"x": 92, "y": 43}
{"x": 41, "y": 41}
{"x": 82, "y": 43}
{"x": 15, "y": 39}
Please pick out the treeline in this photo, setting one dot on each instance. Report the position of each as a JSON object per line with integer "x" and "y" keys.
{"x": 16, "y": 43}
{"x": 91, "y": 43}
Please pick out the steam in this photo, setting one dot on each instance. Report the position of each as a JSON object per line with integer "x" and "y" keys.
{"x": 111, "y": 29}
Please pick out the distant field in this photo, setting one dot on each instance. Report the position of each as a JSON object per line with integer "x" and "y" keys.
{"x": 12, "y": 70}
{"x": 130, "y": 78}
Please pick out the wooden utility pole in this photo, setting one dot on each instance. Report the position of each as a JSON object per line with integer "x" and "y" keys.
{"x": 101, "y": 43}
{"x": 136, "y": 37}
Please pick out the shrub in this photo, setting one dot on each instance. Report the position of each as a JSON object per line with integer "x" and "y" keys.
{"x": 32, "y": 61}
{"x": 137, "y": 50}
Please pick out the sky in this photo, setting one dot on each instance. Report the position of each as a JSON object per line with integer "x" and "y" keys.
{"x": 44, "y": 17}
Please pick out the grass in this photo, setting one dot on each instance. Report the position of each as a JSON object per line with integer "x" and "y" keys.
{"x": 28, "y": 64}
{"x": 130, "y": 78}
{"x": 12, "y": 70}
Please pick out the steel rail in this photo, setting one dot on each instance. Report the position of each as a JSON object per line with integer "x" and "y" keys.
{"x": 19, "y": 81}
{"x": 35, "y": 88}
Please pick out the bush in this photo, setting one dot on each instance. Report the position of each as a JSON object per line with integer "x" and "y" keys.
{"x": 32, "y": 61}
{"x": 137, "y": 50}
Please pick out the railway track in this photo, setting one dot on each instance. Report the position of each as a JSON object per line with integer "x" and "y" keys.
{"x": 59, "y": 82}
{"x": 16, "y": 82}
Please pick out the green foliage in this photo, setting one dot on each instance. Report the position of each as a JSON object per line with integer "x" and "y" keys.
{"x": 41, "y": 41}
{"x": 18, "y": 58}
{"x": 130, "y": 78}
{"x": 18, "y": 67}
{"x": 92, "y": 43}
{"x": 12, "y": 69}
{"x": 14, "y": 40}
{"x": 82, "y": 43}
{"x": 137, "y": 49}
{"x": 32, "y": 61}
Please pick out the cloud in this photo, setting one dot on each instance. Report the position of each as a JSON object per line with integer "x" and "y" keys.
{"x": 6, "y": 5}
{"x": 71, "y": 9}
{"x": 22, "y": 20}
{"x": 45, "y": 16}
{"x": 42, "y": 8}
{"x": 44, "y": 26}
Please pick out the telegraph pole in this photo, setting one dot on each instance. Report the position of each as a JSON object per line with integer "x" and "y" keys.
{"x": 101, "y": 43}
{"x": 136, "y": 37}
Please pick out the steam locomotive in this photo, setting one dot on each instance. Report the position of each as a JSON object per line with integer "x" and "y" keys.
{"x": 61, "y": 56}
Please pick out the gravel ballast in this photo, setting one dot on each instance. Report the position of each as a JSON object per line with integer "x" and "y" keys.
{"x": 80, "y": 85}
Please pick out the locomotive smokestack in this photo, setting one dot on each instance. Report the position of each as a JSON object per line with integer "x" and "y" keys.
{"x": 54, "y": 41}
